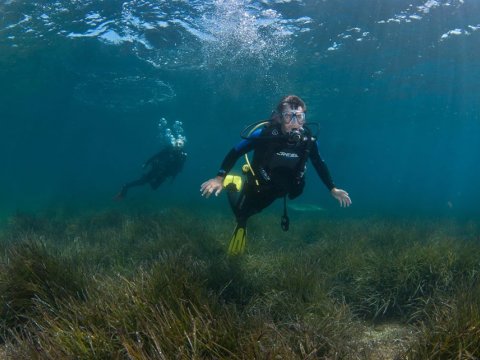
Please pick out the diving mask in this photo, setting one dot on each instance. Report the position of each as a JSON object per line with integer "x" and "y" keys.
{"x": 288, "y": 117}
{"x": 179, "y": 143}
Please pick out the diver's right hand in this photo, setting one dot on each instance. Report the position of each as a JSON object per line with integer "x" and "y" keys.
{"x": 342, "y": 197}
{"x": 211, "y": 186}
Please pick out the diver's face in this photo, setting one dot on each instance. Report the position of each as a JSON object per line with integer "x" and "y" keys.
{"x": 178, "y": 144}
{"x": 292, "y": 119}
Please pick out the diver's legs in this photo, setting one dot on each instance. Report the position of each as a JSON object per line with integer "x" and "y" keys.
{"x": 251, "y": 203}
{"x": 232, "y": 195}
{"x": 123, "y": 192}
{"x": 237, "y": 243}
{"x": 156, "y": 182}
{"x": 248, "y": 203}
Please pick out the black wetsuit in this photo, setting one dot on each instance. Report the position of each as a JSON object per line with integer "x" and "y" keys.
{"x": 279, "y": 167}
{"x": 167, "y": 163}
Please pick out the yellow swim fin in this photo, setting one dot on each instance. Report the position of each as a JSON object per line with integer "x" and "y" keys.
{"x": 238, "y": 241}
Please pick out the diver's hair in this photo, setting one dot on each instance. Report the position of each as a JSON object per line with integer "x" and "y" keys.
{"x": 293, "y": 100}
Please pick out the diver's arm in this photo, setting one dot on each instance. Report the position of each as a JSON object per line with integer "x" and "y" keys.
{"x": 215, "y": 185}
{"x": 229, "y": 162}
{"x": 176, "y": 164}
{"x": 157, "y": 155}
{"x": 322, "y": 170}
{"x": 151, "y": 159}
{"x": 236, "y": 152}
{"x": 182, "y": 160}
{"x": 146, "y": 163}
{"x": 321, "y": 167}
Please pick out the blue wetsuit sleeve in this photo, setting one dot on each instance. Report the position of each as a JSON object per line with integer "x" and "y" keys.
{"x": 321, "y": 167}
{"x": 237, "y": 151}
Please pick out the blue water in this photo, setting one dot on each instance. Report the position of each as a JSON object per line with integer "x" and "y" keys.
{"x": 394, "y": 86}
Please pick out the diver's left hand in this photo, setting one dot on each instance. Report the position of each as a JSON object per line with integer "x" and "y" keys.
{"x": 341, "y": 196}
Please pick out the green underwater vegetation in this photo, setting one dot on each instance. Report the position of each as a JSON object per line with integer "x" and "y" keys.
{"x": 119, "y": 285}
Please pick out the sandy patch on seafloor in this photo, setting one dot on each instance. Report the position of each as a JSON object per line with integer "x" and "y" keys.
{"x": 386, "y": 341}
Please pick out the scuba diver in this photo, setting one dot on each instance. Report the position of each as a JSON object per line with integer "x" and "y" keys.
{"x": 167, "y": 163}
{"x": 281, "y": 147}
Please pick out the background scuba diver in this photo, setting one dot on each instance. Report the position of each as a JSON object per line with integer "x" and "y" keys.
{"x": 167, "y": 163}
{"x": 281, "y": 150}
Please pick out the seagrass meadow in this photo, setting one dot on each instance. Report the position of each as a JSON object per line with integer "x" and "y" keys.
{"x": 90, "y": 90}
{"x": 118, "y": 285}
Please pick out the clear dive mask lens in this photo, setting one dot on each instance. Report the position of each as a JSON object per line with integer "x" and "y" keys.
{"x": 288, "y": 117}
